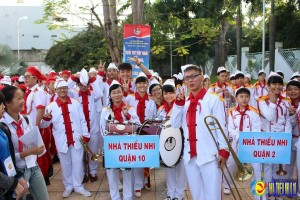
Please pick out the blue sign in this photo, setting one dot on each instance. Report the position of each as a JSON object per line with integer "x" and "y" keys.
{"x": 265, "y": 147}
{"x": 136, "y": 43}
{"x": 131, "y": 151}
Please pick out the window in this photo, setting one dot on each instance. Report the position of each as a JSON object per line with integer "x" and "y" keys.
{"x": 53, "y": 36}
{"x": 36, "y": 36}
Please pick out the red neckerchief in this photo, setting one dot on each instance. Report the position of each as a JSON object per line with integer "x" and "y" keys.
{"x": 108, "y": 82}
{"x": 25, "y": 99}
{"x": 294, "y": 105}
{"x": 191, "y": 119}
{"x": 52, "y": 98}
{"x": 67, "y": 120}
{"x": 85, "y": 104}
{"x": 278, "y": 105}
{"x": 219, "y": 84}
{"x": 262, "y": 87}
{"x": 118, "y": 112}
{"x": 167, "y": 107}
{"x": 19, "y": 132}
{"x": 141, "y": 106}
{"x": 242, "y": 113}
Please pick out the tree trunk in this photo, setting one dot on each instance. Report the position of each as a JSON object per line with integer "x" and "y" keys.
{"x": 239, "y": 37}
{"x": 114, "y": 21}
{"x": 272, "y": 31}
{"x": 108, "y": 32}
{"x": 135, "y": 12}
{"x": 220, "y": 47}
{"x": 140, "y": 11}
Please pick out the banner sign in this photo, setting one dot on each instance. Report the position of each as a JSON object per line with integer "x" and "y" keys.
{"x": 136, "y": 43}
{"x": 131, "y": 151}
{"x": 265, "y": 147}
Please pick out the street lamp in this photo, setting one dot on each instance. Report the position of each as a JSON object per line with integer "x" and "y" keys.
{"x": 21, "y": 18}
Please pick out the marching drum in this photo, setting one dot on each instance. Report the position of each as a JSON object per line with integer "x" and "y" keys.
{"x": 171, "y": 143}
{"x": 116, "y": 128}
{"x": 150, "y": 127}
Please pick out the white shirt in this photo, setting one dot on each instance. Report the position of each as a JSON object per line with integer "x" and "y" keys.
{"x": 211, "y": 104}
{"x": 78, "y": 123}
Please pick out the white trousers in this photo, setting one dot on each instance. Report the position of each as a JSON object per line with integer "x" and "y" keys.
{"x": 94, "y": 145}
{"x": 113, "y": 179}
{"x": 176, "y": 180}
{"x": 138, "y": 178}
{"x": 72, "y": 168}
{"x": 205, "y": 180}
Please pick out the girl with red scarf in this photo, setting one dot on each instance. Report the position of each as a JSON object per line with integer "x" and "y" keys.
{"x": 175, "y": 177}
{"x": 146, "y": 109}
{"x": 275, "y": 117}
{"x": 120, "y": 112}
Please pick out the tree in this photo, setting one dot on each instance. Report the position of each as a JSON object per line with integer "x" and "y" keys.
{"x": 84, "y": 49}
{"x": 109, "y": 26}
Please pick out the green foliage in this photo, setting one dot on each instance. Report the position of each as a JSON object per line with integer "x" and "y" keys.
{"x": 288, "y": 23}
{"x": 84, "y": 49}
{"x": 6, "y": 55}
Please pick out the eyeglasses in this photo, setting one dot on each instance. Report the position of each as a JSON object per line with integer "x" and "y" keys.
{"x": 28, "y": 76}
{"x": 192, "y": 77}
{"x": 62, "y": 88}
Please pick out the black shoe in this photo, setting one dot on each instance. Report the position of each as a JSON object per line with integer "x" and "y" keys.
{"x": 85, "y": 179}
{"x": 29, "y": 197}
{"x": 55, "y": 159}
{"x": 50, "y": 171}
{"x": 47, "y": 180}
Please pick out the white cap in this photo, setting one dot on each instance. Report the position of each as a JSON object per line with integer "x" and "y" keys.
{"x": 60, "y": 83}
{"x": 273, "y": 74}
{"x": 6, "y": 80}
{"x": 112, "y": 66}
{"x": 21, "y": 79}
{"x": 238, "y": 72}
{"x": 248, "y": 76}
{"x": 175, "y": 75}
{"x": 141, "y": 74}
{"x": 169, "y": 82}
{"x": 114, "y": 82}
{"x": 221, "y": 69}
{"x": 232, "y": 75}
{"x": 155, "y": 74}
{"x": 92, "y": 70}
{"x": 296, "y": 74}
{"x": 262, "y": 71}
{"x": 186, "y": 66}
{"x": 84, "y": 77}
{"x": 206, "y": 76}
{"x": 180, "y": 76}
{"x": 279, "y": 71}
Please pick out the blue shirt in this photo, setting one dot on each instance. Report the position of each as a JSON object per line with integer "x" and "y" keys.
{"x": 4, "y": 150}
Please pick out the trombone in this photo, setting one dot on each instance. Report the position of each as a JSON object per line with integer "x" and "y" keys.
{"x": 243, "y": 172}
{"x": 94, "y": 157}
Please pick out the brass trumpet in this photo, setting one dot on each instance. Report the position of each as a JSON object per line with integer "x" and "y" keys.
{"x": 243, "y": 172}
{"x": 281, "y": 171}
{"x": 94, "y": 156}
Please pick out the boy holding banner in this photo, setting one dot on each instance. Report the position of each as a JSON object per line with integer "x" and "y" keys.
{"x": 242, "y": 118}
